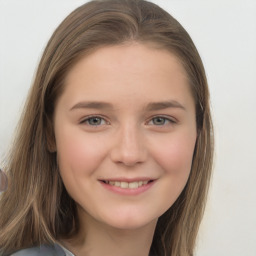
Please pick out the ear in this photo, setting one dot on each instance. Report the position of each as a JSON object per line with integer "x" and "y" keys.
{"x": 50, "y": 138}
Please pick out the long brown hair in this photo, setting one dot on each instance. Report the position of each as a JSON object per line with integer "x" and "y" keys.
{"x": 36, "y": 208}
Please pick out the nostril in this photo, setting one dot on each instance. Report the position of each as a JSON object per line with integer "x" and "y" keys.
{"x": 129, "y": 149}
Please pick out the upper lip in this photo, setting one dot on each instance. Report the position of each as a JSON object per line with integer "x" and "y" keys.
{"x": 128, "y": 179}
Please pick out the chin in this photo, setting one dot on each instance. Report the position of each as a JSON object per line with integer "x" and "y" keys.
{"x": 130, "y": 222}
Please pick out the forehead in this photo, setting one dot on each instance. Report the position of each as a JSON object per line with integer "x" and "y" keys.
{"x": 148, "y": 54}
{"x": 128, "y": 70}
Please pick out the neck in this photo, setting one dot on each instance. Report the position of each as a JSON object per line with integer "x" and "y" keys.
{"x": 94, "y": 239}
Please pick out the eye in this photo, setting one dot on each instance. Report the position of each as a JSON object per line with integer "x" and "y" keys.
{"x": 160, "y": 121}
{"x": 94, "y": 121}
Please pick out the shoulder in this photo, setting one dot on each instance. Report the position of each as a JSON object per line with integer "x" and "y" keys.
{"x": 49, "y": 250}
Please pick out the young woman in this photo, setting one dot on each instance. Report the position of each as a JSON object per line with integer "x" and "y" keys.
{"x": 114, "y": 150}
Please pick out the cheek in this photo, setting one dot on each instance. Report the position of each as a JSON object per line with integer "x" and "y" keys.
{"x": 175, "y": 155}
{"x": 78, "y": 153}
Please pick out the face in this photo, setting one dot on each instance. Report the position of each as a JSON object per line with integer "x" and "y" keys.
{"x": 125, "y": 134}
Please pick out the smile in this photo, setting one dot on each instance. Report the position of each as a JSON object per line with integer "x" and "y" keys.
{"x": 129, "y": 185}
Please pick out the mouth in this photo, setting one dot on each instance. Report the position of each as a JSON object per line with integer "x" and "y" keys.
{"x": 127, "y": 185}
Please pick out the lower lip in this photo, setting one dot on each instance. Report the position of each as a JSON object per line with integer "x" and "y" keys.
{"x": 128, "y": 191}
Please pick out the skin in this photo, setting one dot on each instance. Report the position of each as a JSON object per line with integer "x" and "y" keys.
{"x": 130, "y": 141}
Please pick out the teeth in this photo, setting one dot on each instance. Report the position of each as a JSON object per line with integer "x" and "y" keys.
{"x": 123, "y": 184}
{"x": 134, "y": 184}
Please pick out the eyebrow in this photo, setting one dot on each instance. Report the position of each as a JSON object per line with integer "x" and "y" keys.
{"x": 164, "y": 105}
{"x": 152, "y": 106}
{"x": 92, "y": 104}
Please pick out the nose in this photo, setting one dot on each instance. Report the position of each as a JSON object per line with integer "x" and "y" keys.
{"x": 129, "y": 147}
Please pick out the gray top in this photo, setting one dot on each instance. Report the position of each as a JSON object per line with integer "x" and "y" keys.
{"x": 43, "y": 250}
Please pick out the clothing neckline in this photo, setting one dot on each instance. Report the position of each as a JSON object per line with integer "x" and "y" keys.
{"x": 67, "y": 252}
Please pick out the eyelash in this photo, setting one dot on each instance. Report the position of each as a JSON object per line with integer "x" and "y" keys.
{"x": 166, "y": 120}
{"x": 87, "y": 120}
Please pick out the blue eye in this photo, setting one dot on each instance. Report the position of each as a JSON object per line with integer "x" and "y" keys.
{"x": 94, "y": 121}
{"x": 159, "y": 121}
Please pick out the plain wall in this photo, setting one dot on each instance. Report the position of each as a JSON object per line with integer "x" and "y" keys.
{"x": 225, "y": 35}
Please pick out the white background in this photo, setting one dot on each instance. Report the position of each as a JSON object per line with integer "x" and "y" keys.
{"x": 225, "y": 34}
